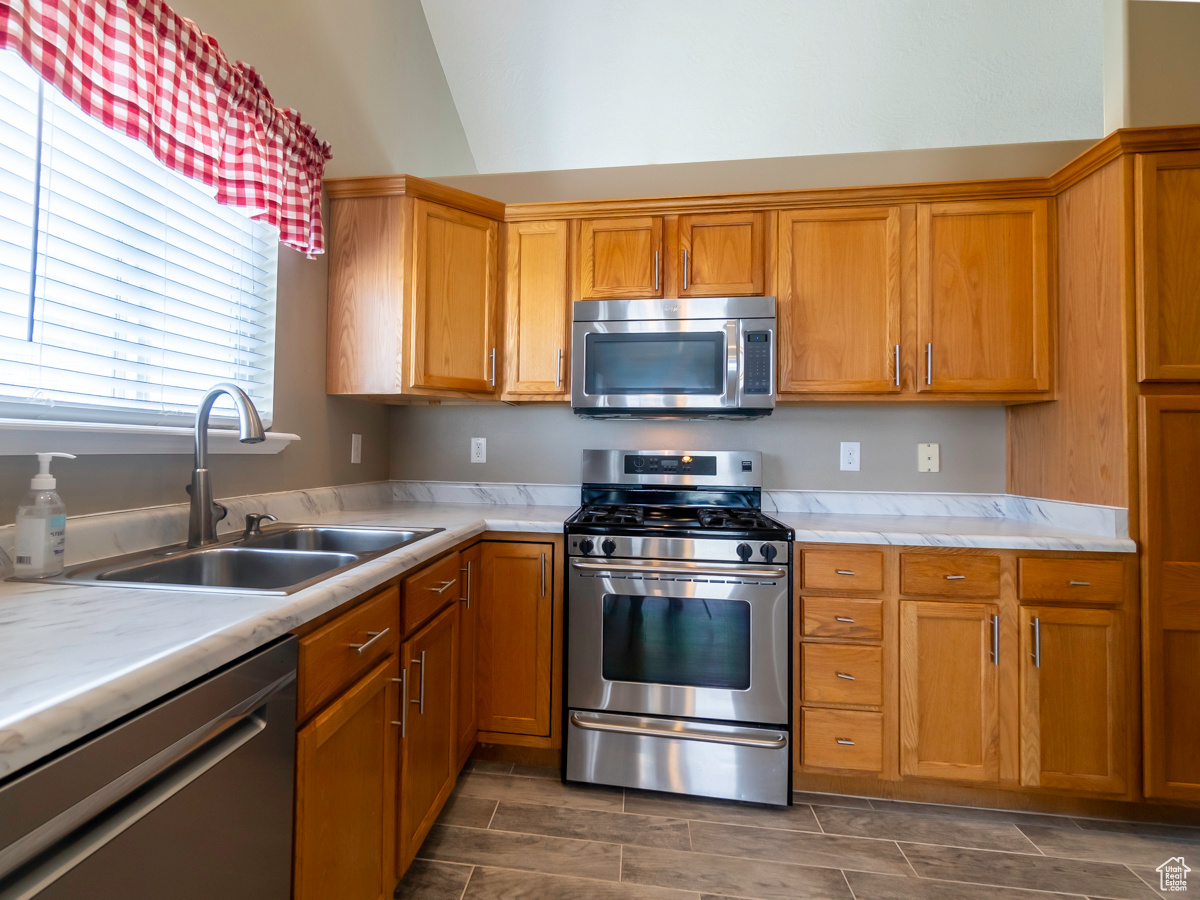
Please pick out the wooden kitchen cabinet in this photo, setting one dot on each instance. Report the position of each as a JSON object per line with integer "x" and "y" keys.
{"x": 346, "y": 793}
{"x": 620, "y": 258}
{"x": 1166, "y": 235}
{"x": 983, "y": 296}
{"x": 1170, "y": 438}
{"x": 468, "y": 650}
{"x": 949, "y": 691}
{"x": 1074, "y": 711}
{"x": 537, "y": 311}
{"x": 719, "y": 254}
{"x": 516, "y": 606}
{"x": 429, "y": 747}
{"x": 839, "y": 305}
{"x": 453, "y": 299}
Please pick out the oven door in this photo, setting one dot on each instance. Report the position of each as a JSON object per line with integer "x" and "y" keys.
{"x": 671, "y": 365}
{"x": 699, "y": 640}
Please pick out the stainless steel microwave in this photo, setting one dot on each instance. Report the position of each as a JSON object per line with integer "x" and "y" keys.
{"x": 708, "y": 357}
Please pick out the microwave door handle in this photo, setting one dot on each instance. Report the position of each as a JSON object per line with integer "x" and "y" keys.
{"x": 734, "y": 364}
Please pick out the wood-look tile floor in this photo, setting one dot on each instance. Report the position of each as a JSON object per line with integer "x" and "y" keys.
{"x": 518, "y": 833}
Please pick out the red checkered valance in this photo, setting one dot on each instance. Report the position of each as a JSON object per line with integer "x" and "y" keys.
{"x": 141, "y": 69}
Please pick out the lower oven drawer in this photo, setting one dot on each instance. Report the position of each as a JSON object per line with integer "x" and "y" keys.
{"x": 732, "y": 762}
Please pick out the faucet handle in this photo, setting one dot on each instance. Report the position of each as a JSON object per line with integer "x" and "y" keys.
{"x": 254, "y": 523}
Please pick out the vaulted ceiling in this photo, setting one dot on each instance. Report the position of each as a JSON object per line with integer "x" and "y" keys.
{"x": 566, "y": 84}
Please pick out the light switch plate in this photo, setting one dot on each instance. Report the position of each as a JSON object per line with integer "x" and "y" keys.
{"x": 478, "y": 450}
{"x": 356, "y": 448}
{"x": 929, "y": 457}
{"x": 851, "y": 456}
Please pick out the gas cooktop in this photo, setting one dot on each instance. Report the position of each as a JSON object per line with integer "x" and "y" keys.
{"x": 676, "y": 521}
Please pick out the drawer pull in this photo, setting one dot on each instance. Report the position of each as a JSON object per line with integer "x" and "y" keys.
{"x": 1079, "y": 583}
{"x": 444, "y": 586}
{"x": 374, "y": 636}
{"x": 846, "y": 619}
{"x": 844, "y": 572}
{"x": 955, "y": 577}
{"x": 846, "y": 742}
{"x": 844, "y": 675}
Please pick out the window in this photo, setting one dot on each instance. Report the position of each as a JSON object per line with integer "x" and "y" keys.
{"x": 126, "y": 291}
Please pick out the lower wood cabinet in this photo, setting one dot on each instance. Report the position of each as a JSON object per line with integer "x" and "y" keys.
{"x": 346, "y": 793}
{"x": 1074, "y": 713}
{"x": 429, "y": 745}
{"x": 468, "y": 649}
{"x": 515, "y": 653}
{"x": 949, "y": 690}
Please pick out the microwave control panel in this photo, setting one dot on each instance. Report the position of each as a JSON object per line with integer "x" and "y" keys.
{"x": 758, "y": 362}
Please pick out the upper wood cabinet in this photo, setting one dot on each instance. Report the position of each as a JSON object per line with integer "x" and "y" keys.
{"x": 983, "y": 296}
{"x": 620, "y": 259}
{"x": 1074, "y": 714}
{"x": 949, "y": 690}
{"x": 1167, "y": 235}
{"x": 839, "y": 300}
{"x": 718, "y": 254}
{"x": 453, "y": 295}
{"x": 413, "y": 290}
{"x": 537, "y": 310}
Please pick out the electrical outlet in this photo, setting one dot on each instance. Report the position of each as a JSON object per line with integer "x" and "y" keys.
{"x": 929, "y": 457}
{"x": 851, "y": 458}
{"x": 356, "y": 448}
{"x": 478, "y": 450}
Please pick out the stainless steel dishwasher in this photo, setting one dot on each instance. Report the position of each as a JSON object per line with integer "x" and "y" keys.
{"x": 189, "y": 798}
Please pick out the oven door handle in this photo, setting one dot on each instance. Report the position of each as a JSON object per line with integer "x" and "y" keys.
{"x": 682, "y": 731}
{"x": 659, "y": 569}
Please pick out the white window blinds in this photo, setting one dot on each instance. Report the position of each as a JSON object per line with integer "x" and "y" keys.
{"x": 126, "y": 291}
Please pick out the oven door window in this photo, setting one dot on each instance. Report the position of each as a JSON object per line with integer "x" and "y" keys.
{"x": 684, "y": 641}
{"x": 674, "y": 363}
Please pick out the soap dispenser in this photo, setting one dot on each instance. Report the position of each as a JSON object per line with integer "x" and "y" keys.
{"x": 41, "y": 525}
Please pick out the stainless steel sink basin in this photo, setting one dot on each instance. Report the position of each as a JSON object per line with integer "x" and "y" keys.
{"x": 335, "y": 539}
{"x": 279, "y": 560}
{"x": 242, "y": 568}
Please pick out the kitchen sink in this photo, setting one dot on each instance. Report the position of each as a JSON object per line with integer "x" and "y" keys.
{"x": 335, "y": 539}
{"x": 279, "y": 560}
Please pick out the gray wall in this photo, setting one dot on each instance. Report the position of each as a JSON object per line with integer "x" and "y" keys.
{"x": 541, "y": 444}
{"x": 366, "y": 75}
{"x": 1164, "y": 63}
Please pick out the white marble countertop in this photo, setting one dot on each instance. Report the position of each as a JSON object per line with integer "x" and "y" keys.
{"x": 75, "y": 658}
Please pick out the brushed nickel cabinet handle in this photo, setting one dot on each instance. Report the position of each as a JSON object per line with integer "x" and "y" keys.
{"x": 468, "y": 590}
{"x": 685, "y": 269}
{"x": 492, "y": 379}
{"x": 844, "y": 572}
{"x": 846, "y": 619}
{"x": 955, "y": 577}
{"x": 420, "y": 701}
{"x": 558, "y": 369}
{"x": 996, "y": 640}
{"x": 1079, "y": 583}
{"x": 929, "y": 363}
{"x": 403, "y": 723}
{"x": 897, "y": 365}
{"x": 543, "y": 574}
{"x": 845, "y": 676}
{"x": 656, "y": 270}
{"x": 1037, "y": 643}
{"x": 444, "y": 586}
{"x": 374, "y": 636}
{"x": 846, "y": 742}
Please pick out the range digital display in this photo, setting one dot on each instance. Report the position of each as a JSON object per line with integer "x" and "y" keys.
{"x": 670, "y": 465}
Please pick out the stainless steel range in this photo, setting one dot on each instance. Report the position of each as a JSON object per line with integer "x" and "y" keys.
{"x": 678, "y": 672}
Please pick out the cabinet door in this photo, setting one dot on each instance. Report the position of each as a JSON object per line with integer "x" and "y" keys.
{"x": 620, "y": 259}
{"x": 1171, "y": 594}
{"x": 839, "y": 300}
{"x": 516, "y": 609}
{"x": 346, "y": 793}
{"x": 1168, "y": 267}
{"x": 983, "y": 307}
{"x": 468, "y": 631}
{"x": 429, "y": 751}
{"x": 452, "y": 341}
{"x": 949, "y": 691}
{"x": 538, "y": 307}
{"x": 721, "y": 254}
{"x": 1073, "y": 708}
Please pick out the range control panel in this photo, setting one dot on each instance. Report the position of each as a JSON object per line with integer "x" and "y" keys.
{"x": 670, "y": 465}
{"x": 758, "y": 362}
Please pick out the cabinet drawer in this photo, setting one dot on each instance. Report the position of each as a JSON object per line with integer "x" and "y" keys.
{"x": 430, "y": 589}
{"x": 934, "y": 575}
{"x": 844, "y": 619}
{"x": 1084, "y": 580}
{"x": 842, "y": 570}
{"x": 333, "y": 657}
{"x": 842, "y": 673}
{"x": 842, "y": 739}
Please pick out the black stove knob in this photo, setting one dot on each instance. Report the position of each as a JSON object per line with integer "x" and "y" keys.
{"x": 769, "y": 552}
{"x": 609, "y": 547}
{"x": 745, "y": 551}
{"x": 586, "y": 546}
